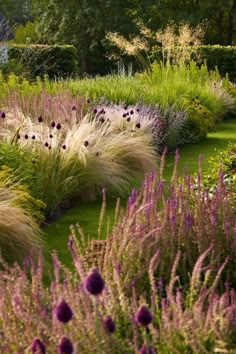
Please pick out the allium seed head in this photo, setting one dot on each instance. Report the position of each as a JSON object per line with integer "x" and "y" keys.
{"x": 46, "y": 144}
{"x": 144, "y": 316}
{"x": 64, "y": 147}
{"x": 38, "y": 346}
{"x": 94, "y": 283}
{"x": 40, "y": 119}
{"x": 3, "y": 114}
{"x": 109, "y": 324}
{"x": 95, "y": 111}
{"x": 58, "y": 126}
{"x": 73, "y": 108}
{"x": 138, "y": 125}
{"x": 53, "y": 124}
{"x": 86, "y": 143}
{"x": 26, "y": 136}
{"x": 33, "y": 137}
{"x": 65, "y": 346}
{"x": 63, "y": 311}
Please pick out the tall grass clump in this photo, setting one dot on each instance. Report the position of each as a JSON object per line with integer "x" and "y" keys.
{"x": 19, "y": 231}
{"x": 80, "y": 157}
{"x": 167, "y": 267}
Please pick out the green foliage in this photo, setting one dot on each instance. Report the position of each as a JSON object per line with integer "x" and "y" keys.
{"x": 39, "y": 60}
{"x": 26, "y": 33}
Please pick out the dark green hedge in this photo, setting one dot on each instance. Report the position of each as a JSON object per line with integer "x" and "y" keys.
{"x": 38, "y": 60}
{"x": 222, "y": 57}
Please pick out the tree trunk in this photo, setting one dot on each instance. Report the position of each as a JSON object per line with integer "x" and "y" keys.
{"x": 232, "y": 11}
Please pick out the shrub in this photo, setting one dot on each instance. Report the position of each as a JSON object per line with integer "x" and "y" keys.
{"x": 38, "y": 60}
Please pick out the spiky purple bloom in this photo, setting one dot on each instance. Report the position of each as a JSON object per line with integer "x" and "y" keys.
{"x": 38, "y": 346}
{"x": 145, "y": 350}
{"x": 3, "y": 115}
{"x": 144, "y": 316}
{"x": 40, "y": 119}
{"x": 53, "y": 124}
{"x": 109, "y": 324}
{"x": 63, "y": 311}
{"x": 86, "y": 143}
{"x": 94, "y": 283}
{"x": 58, "y": 126}
{"x": 65, "y": 346}
{"x": 73, "y": 108}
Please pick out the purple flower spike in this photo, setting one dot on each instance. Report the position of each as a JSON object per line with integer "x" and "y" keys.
{"x": 3, "y": 114}
{"x": 38, "y": 346}
{"x": 58, "y": 126}
{"x": 63, "y": 312}
{"x": 109, "y": 324}
{"x": 40, "y": 119}
{"x": 94, "y": 283}
{"x": 53, "y": 124}
{"x": 65, "y": 346}
{"x": 73, "y": 108}
{"x": 144, "y": 316}
{"x": 145, "y": 350}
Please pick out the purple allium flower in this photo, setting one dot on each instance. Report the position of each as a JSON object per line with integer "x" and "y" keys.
{"x": 50, "y": 136}
{"x": 53, "y": 124}
{"x": 58, "y": 126}
{"x": 109, "y": 324}
{"x": 144, "y": 316}
{"x": 138, "y": 125}
{"x": 46, "y": 144}
{"x": 137, "y": 109}
{"x": 65, "y": 346}
{"x": 131, "y": 112}
{"x": 63, "y": 311}
{"x": 26, "y": 136}
{"x": 124, "y": 115}
{"x": 145, "y": 350}
{"x": 64, "y": 147}
{"x": 40, "y": 119}
{"x": 33, "y": 137}
{"x": 38, "y": 346}
{"x": 86, "y": 143}
{"x": 95, "y": 111}
{"x": 3, "y": 115}
{"x": 73, "y": 108}
{"x": 94, "y": 283}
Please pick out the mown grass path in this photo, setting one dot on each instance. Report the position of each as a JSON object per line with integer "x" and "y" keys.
{"x": 87, "y": 214}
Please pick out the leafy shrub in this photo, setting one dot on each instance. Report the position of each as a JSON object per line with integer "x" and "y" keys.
{"x": 26, "y": 33}
{"x": 38, "y": 60}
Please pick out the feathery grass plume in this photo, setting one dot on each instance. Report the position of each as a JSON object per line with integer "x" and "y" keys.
{"x": 19, "y": 232}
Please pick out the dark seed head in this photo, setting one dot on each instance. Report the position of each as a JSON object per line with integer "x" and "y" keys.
{"x": 109, "y": 324}
{"x": 50, "y": 136}
{"x": 38, "y": 346}
{"x": 131, "y": 112}
{"x": 102, "y": 120}
{"x": 86, "y": 143}
{"x": 40, "y": 119}
{"x": 18, "y": 136}
{"x": 53, "y": 124}
{"x": 63, "y": 312}
{"x": 137, "y": 109}
{"x": 73, "y": 108}
{"x": 128, "y": 119}
{"x": 94, "y": 283}
{"x": 144, "y": 316}
{"x": 65, "y": 346}
{"x": 33, "y": 137}
{"x": 145, "y": 350}
{"x": 125, "y": 107}
{"x": 95, "y": 111}
{"x": 64, "y": 147}
{"x": 26, "y": 136}
{"x": 58, "y": 126}
{"x": 46, "y": 144}
{"x": 3, "y": 115}
{"x": 124, "y": 115}
{"x": 88, "y": 100}
{"x": 138, "y": 125}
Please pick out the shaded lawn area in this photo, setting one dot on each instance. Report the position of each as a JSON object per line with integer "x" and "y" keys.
{"x": 87, "y": 214}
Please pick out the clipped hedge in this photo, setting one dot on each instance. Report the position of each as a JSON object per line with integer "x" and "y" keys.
{"x": 38, "y": 59}
{"x": 222, "y": 57}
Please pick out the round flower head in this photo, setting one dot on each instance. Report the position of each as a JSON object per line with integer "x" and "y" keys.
{"x": 73, "y": 108}
{"x": 109, "y": 324}
{"x": 3, "y": 114}
{"x": 145, "y": 350}
{"x": 144, "y": 316}
{"x": 53, "y": 124}
{"x": 65, "y": 346}
{"x": 58, "y": 126}
{"x": 63, "y": 312}
{"x": 94, "y": 283}
{"x": 38, "y": 346}
{"x": 40, "y": 119}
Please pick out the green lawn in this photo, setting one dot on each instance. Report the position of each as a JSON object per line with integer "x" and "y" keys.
{"x": 56, "y": 233}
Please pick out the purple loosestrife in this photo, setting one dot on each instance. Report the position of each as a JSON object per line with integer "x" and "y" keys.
{"x": 94, "y": 283}
{"x": 65, "y": 346}
{"x": 145, "y": 350}
{"x": 63, "y": 312}
{"x": 38, "y": 347}
{"x": 144, "y": 316}
{"x": 109, "y": 324}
